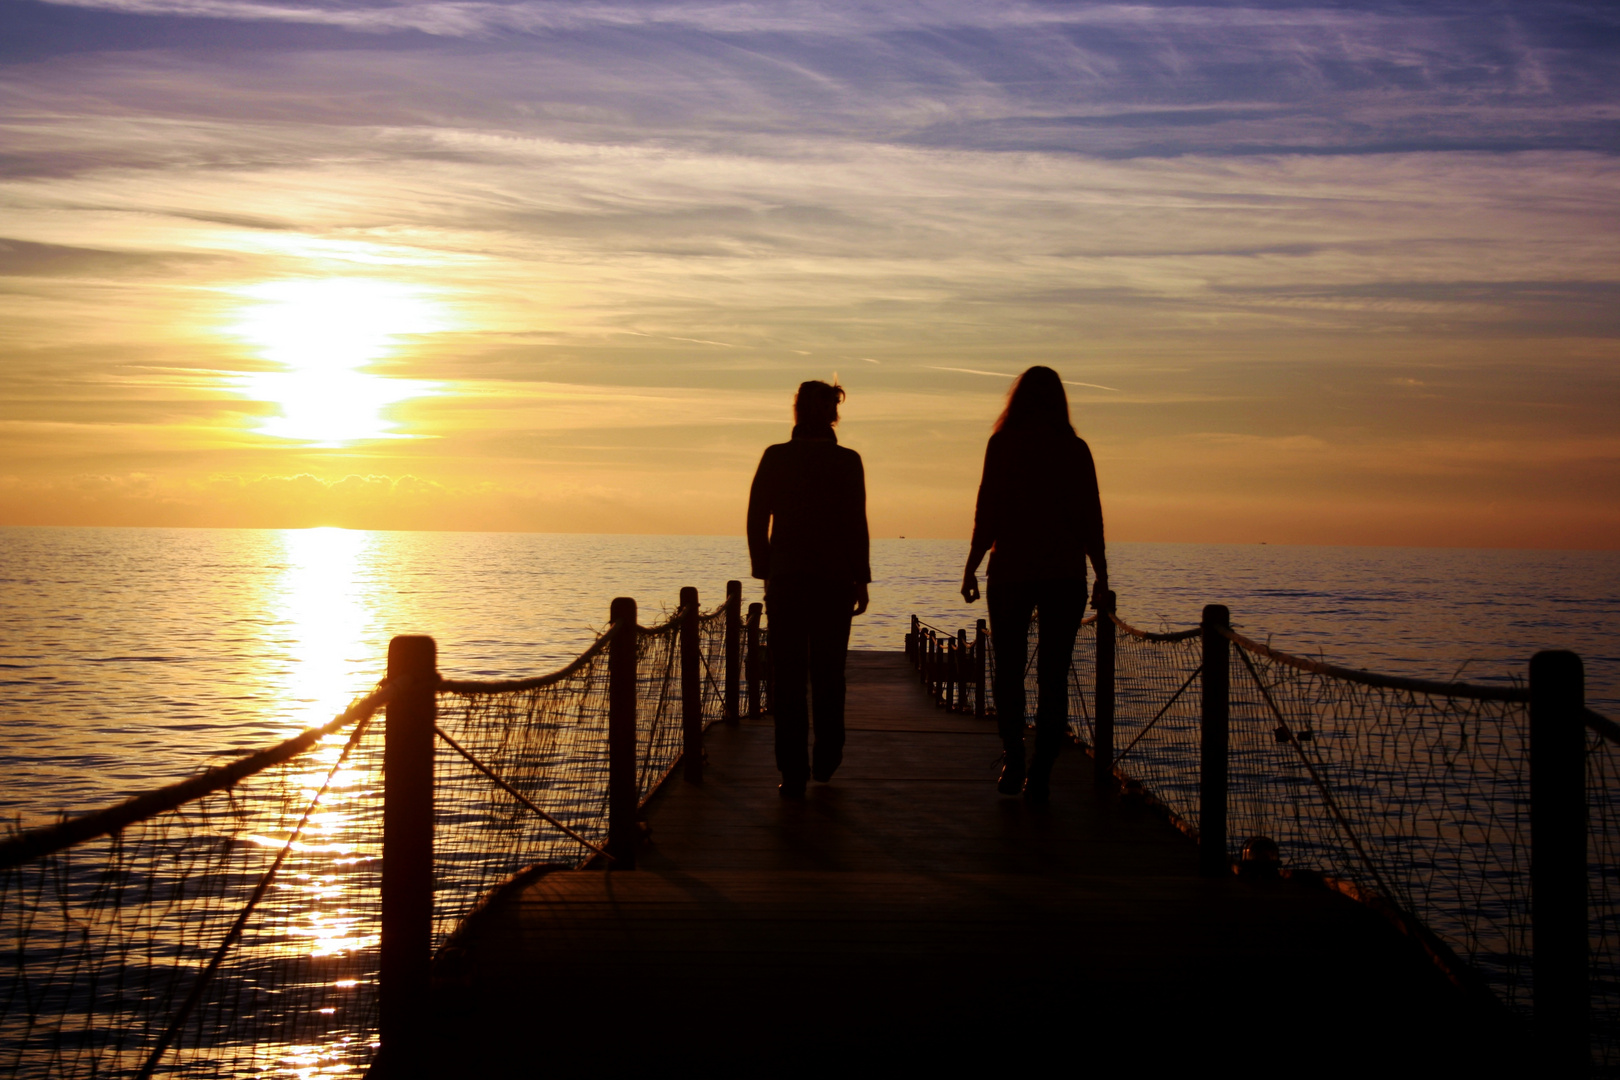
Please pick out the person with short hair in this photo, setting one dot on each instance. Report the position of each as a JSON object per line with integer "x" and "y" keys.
{"x": 807, "y": 540}
{"x": 1039, "y": 515}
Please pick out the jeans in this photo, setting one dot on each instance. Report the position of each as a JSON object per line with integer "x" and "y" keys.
{"x": 1062, "y": 604}
{"x": 809, "y": 635}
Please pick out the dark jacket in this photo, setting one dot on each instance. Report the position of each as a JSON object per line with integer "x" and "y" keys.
{"x": 1038, "y": 511}
{"x": 810, "y": 494}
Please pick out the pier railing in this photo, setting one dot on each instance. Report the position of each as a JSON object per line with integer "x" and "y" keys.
{"x": 1481, "y": 819}
{"x": 285, "y": 912}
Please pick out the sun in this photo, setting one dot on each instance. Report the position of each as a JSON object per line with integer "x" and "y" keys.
{"x": 321, "y": 335}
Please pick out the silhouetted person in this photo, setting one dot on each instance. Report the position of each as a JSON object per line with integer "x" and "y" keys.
{"x": 1040, "y": 517}
{"x": 807, "y": 540}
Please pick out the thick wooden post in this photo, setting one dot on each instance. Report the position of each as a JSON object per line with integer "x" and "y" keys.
{"x": 911, "y": 642}
{"x": 1558, "y": 920}
{"x": 407, "y": 870}
{"x": 623, "y": 832}
{"x": 691, "y": 690}
{"x": 733, "y": 648}
{"x": 751, "y": 657}
{"x": 1216, "y": 680}
{"x": 979, "y": 652}
{"x": 1103, "y": 737}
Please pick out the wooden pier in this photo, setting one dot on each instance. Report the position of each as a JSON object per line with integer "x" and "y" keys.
{"x": 907, "y": 914}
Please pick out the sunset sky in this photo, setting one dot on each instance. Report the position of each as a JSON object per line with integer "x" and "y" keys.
{"x": 1317, "y": 273}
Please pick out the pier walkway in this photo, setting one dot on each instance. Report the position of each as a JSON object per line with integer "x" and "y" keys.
{"x": 905, "y": 912}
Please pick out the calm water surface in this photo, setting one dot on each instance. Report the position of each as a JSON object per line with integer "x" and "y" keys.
{"x": 128, "y": 657}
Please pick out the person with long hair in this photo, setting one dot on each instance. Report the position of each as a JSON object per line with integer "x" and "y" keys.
{"x": 807, "y": 539}
{"x": 1039, "y": 515}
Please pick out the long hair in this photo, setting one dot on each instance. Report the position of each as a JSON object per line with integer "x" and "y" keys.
{"x": 1036, "y": 402}
{"x": 816, "y": 403}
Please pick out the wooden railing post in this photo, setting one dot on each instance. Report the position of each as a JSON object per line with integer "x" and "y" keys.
{"x": 733, "y": 648}
{"x": 935, "y": 664}
{"x": 1103, "y": 738}
{"x": 1212, "y": 755}
{"x": 938, "y": 652}
{"x": 407, "y": 870}
{"x": 911, "y": 642}
{"x": 979, "y": 651}
{"x": 767, "y": 675}
{"x": 623, "y": 832}
{"x": 751, "y": 658}
{"x": 1558, "y": 918}
{"x": 962, "y": 655}
{"x": 691, "y": 690}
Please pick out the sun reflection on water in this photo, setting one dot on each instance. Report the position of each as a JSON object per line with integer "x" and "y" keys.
{"x": 324, "y": 905}
{"x": 323, "y": 612}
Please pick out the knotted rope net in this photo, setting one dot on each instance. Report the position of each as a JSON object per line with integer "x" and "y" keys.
{"x": 229, "y": 925}
{"x": 1603, "y": 887}
{"x": 212, "y": 928}
{"x": 1407, "y": 794}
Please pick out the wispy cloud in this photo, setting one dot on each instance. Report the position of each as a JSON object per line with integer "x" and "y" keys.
{"x": 1253, "y": 218}
{"x": 789, "y": 16}
{"x": 1005, "y": 375}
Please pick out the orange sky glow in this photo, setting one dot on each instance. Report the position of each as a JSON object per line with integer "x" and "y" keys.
{"x": 1316, "y": 275}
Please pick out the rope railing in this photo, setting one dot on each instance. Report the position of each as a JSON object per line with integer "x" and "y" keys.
{"x": 187, "y": 928}
{"x": 236, "y": 923}
{"x": 1415, "y": 796}
{"x": 1367, "y": 678}
{"x": 1603, "y": 726}
{"x": 46, "y": 840}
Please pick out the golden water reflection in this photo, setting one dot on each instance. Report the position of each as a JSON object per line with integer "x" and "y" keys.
{"x": 320, "y": 922}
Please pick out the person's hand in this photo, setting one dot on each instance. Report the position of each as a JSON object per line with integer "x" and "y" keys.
{"x": 1099, "y": 591}
{"x": 970, "y": 586}
{"x": 861, "y": 598}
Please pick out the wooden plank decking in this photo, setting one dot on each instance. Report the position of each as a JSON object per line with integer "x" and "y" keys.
{"x": 906, "y": 912}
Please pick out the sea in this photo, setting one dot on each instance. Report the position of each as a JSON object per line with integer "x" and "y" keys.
{"x": 132, "y": 657}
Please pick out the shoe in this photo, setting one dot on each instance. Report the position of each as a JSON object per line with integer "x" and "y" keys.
{"x": 823, "y": 776}
{"x": 791, "y": 789}
{"x": 1038, "y": 788}
{"x": 1011, "y": 780}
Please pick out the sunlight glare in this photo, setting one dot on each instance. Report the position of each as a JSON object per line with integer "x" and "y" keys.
{"x": 320, "y": 334}
{"x": 322, "y": 606}
{"x": 323, "y": 609}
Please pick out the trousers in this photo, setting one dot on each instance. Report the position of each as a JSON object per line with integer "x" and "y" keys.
{"x": 1061, "y": 603}
{"x": 809, "y": 636}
